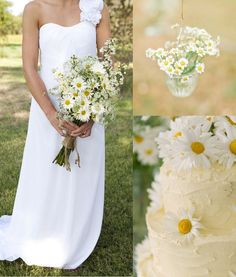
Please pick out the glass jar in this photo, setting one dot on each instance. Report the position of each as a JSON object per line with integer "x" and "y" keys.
{"x": 182, "y": 86}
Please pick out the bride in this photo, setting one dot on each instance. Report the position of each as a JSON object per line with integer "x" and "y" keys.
{"x": 57, "y": 215}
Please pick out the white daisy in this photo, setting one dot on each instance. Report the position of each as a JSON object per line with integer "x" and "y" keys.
{"x": 182, "y": 227}
{"x": 84, "y": 115}
{"x": 148, "y": 154}
{"x": 194, "y": 149}
{"x": 191, "y": 47}
{"x": 170, "y": 59}
{"x": 143, "y": 250}
{"x": 160, "y": 52}
{"x": 179, "y": 127}
{"x": 170, "y": 70}
{"x": 221, "y": 122}
{"x": 184, "y": 79}
{"x": 200, "y": 67}
{"x": 79, "y": 83}
{"x": 87, "y": 93}
{"x": 155, "y": 194}
{"x": 68, "y": 103}
{"x": 164, "y": 65}
{"x": 144, "y": 136}
{"x": 227, "y": 146}
{"x": 201, "y": 52}
{"x": 182, "y": 63}
{"x": 98, "y": 68}
{"x": 150, "y": 53}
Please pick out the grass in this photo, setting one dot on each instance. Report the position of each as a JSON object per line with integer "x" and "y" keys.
{"x": 113, "y": 254}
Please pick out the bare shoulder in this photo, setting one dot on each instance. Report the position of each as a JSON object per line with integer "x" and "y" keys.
{"x": 32, "y": 11}
{"x": 33, "y": 7}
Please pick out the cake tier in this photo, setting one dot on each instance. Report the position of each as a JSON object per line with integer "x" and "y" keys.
{"x": 211, "y": 191}
{"x": 206, "y": 255}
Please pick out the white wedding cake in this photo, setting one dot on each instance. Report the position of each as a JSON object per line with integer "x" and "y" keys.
{"x": 192, "y": 216}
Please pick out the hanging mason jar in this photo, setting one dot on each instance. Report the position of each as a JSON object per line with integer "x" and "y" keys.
{"x": 182, "y": 86}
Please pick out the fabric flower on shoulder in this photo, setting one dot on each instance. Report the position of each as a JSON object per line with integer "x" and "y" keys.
{"x": 91, "y": 10}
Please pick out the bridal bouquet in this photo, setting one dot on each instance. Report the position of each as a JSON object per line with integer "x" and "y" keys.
{"x": 88, "y": 89}
{"x": 182, "y": 59}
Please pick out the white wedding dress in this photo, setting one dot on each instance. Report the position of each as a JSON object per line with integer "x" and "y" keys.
{"x": 57, "y": 215}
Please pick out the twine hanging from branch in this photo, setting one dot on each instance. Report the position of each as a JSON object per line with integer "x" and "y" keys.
{"x": 182, "y": 11}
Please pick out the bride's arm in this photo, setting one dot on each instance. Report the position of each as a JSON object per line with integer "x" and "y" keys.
{"x": 103, "y": 34}
{"x": 103, "y": 29}
{"x": 30, "y": 54}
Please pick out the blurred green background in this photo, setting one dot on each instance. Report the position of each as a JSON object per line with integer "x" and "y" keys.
{"x": 143, "y": 174}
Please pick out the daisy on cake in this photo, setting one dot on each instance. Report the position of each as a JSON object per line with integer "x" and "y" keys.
{"x": 191, "y": 219}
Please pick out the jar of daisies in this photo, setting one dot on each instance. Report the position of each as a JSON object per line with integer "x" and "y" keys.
{"x": 182, "y": 86}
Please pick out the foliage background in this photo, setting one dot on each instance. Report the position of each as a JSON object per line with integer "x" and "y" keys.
{"x": 113, "y": 254}
{"x": 216, "y": 91}
{"x": 143, "y": 176}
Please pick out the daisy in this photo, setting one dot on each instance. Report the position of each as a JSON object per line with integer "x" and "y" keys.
{"x": 150, "y": 53}
{"x": 143, "y": 251}
{"x": 84, "y": 115}
{"x": 98, "y": 68}
{"x": 155, "y": 194}
{"x": 144, "y": 136}
{"x": 160, "y": 52}
{"x": 87, "y": 93}
{"x": 184, "y": 79}
{"x": 79, "y": 83}
{"x": 170, "y": 70}
{"x": 194, "y": 149}
{"x": 227, "y": 146}
{"x": 164, "y": 65}
{"x": 148, "y": 154}
{"x": 68, "y": 103}
{"x": 74, "y": 94}
{"x": 182, "y": 227}
{"x": 201, "y": 52}
{"x": 182, "y": 63}
{"x": 221, "y": 122}
{"x": 170, "y": 59}
{"x": 200, "y": 67}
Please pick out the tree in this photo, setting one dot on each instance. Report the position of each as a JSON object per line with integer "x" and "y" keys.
{"x": 7, "y": 20}
{"x": 121, "y": 13}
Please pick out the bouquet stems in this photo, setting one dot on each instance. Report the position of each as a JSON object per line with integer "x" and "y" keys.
{"x": 62, "y": 158}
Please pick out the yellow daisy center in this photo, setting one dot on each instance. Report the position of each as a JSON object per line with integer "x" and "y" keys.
{"x": 148, "y": 152}
{"x": 185, "y": 226}
{"x": 83, "y": 112}
{"x": 230, "y": 120}
{"x": 79, "y": 85}
{"x": 197, "y": 147}
{"x": 138, "y": 139}
{"x": 178, "y": 134}
{"x": 67, "y": 102}
{"x": 86, "y": 93}
{"x": 75, "y": 94}
{"x": 232, "y": 147}
{"x": 82, "y": 103}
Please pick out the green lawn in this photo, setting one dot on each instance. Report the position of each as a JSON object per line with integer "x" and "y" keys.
{"x": 113, "y": 254}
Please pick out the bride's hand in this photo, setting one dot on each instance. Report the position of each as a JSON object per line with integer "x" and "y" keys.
{"x": 63, "y": 127}
{"x": 84, "y": 131}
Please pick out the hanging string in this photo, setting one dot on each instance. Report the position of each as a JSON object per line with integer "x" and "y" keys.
{"x": 181, "y": 22}
{"x": 182, "y": 11}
